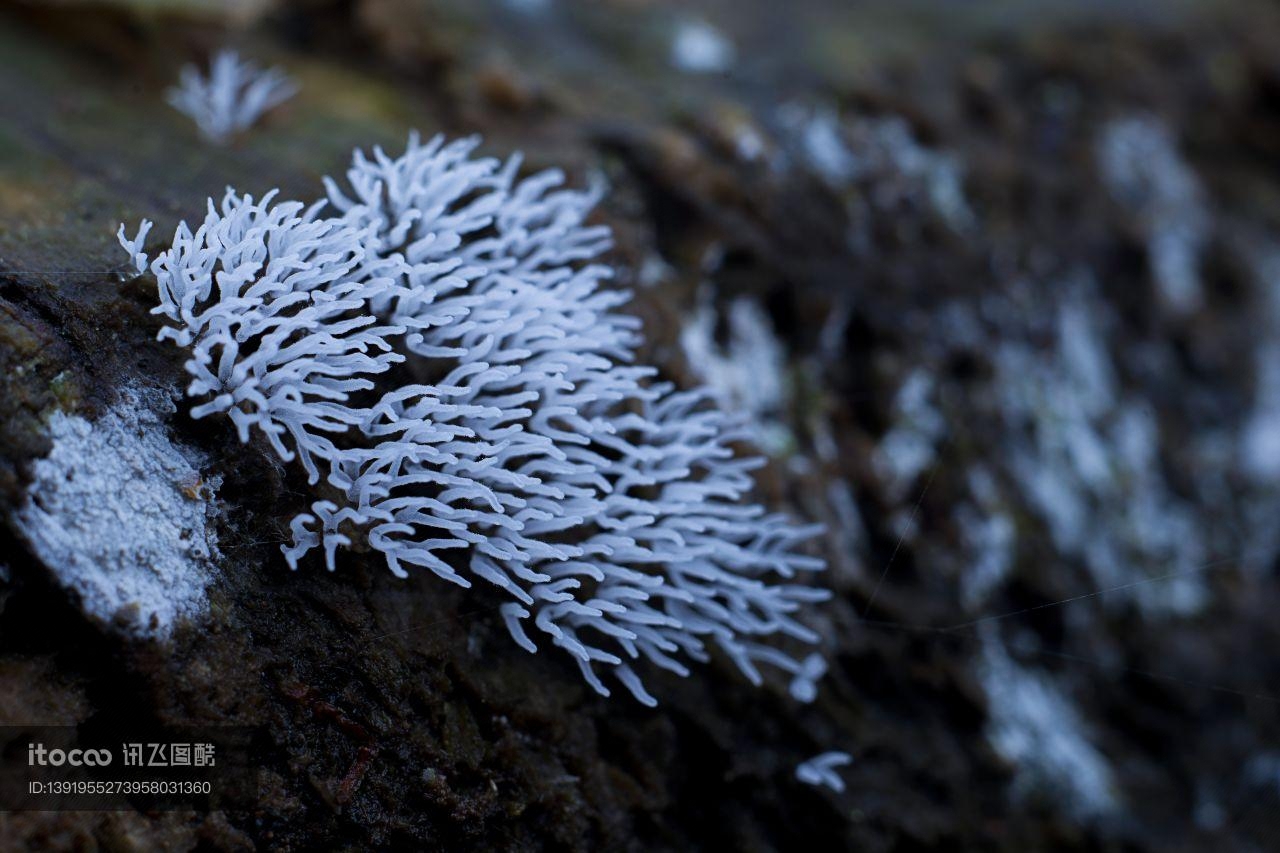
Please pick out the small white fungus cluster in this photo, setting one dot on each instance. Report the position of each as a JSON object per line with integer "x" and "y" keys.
{"x": 520, "y": 445}
{"x": 234, "y": 95}
{"x": 821, "y": 770}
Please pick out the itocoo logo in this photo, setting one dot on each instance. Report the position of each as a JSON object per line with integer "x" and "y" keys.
{"x": 37, "y": 754}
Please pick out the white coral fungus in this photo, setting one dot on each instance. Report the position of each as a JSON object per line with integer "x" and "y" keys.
{"x": 821, "y": 770}
{"x": 234, "y": 95}
{"x": 526, "y": 449}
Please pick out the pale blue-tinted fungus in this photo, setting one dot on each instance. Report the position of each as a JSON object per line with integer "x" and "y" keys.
{"x": 234, "y": 95}
{"x": 527, "y": 449}
{"x": 821, "y": 770}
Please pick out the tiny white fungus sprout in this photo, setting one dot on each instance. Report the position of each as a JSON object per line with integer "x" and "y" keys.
{"x": 821, "y": 770}
{"x": 234, "y": 95}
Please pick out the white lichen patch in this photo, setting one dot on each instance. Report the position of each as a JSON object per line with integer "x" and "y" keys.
{"x": 910, "y": 445}
{"x": 1256, "y": 445}
{"x": 1091, "y": 469}
{"x": 700, "y": 48}
{"x": 990, "y": 539}
{"x": 119, "y": 513}
{"x": 1260, "y": 444}
{"x": 879, "y": 159}
{"x": 1035, "y": 727}
{"x": 1143, "y": 170}
{"x": 747, "y": 374}
{"x": 1259, "y": 453}
{"x": 904, "y": 169}
{"x": 816, "y": 138}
